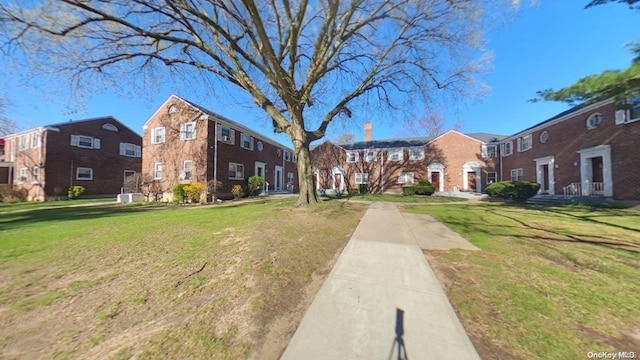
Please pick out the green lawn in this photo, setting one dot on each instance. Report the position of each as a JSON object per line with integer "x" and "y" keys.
{"x": 549, "y": 283}
{"x": 417, "y": 199}
{"x": 199, "y": 282}
{"x": 33, "y": 205}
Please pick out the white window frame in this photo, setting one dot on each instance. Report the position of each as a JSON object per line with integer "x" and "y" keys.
{"x": 35, "y": 175}
{"x": 23, "y": 143}
{"x": 24, "y": 175}
{"x": 155, "y": 138}
{"x": 362, "y": 178}
{"x": 76, "y": 141}
{"x": 492, "y": 174}
{"x": 525, "y": 143}
{"x": 157, "y": 171}
{"x": 130, "y": 150}
{"x": 125, "y": 176}
{"x": 352, "y": 156}
{"x": 235, "y": 171}
{"x": 187, "y": 170}
{"x": 420, "y": 155}
{"x": 506, "y": 148}
{"x": 230, "y": 138}
{"x": 287, "y": 155}
{"x": 594, "y": 120}
{"x": 406, "y": 178}
{"x": 290, "y": 178}
{"x": 248, "y": 139}
{"x": 516, "y": 174}
{"x": 396, "y": 155}
{"x": 185, "y": 133}
{"x": 80, "y": 174}
{"x": 35, "y": 140}
{"x": 370, "y": 155}
{"x": 486, "y": 153}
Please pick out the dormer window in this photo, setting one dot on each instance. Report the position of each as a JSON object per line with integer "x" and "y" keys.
{"x": 110, "y": 127}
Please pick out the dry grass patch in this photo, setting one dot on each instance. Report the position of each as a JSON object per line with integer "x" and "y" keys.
{"x": 174, "y": 282}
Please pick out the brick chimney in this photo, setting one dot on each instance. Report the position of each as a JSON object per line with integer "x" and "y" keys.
{"x": 367, "y": 131}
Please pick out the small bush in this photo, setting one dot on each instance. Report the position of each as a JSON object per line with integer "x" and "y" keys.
{"x": 237, "y": 190}
{"x": 193, "y": 191}
{"x": 75, "y": 192}
{"x": 254, "y": 185}
{"x": 12, "y": 194}
{"x": 179, "y": 193}
{"x": 363, "y": 189}
{"x": 513, "y": 190}
{"x": 409, "y": 190}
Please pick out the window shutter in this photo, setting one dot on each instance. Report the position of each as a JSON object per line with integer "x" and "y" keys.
{"x": 251, "y": 143}
{"x": 519, "y": 144}
{"x": 74, "y": 140}
{"x": 138, "y": 151}
{"x": 219, "y": 132}
{"x": 182, "y": 129}
{"x": 621, "y": 116}
{"x": 194, "y": 130}
{"x": 96, "y": 143}
{"x": 122, "y": 146}
{"x": 232, "y": 134}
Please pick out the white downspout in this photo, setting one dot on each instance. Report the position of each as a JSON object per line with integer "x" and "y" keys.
{"x": 215, "y": 158}
{"x": 382, "y": 171}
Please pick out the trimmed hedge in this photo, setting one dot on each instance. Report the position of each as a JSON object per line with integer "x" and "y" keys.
{"x": 423, "y": 188}
{"x": 513, "y": 190}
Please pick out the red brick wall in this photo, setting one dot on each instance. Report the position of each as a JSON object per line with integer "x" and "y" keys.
{"x": 571, "y": 135}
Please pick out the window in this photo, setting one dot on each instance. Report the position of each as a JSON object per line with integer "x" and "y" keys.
{"x": 416, "y": 154}
{"x": 634, "y": 110}
{"x": 260, "y": 146}
{"x": 492, "y": 177}
{"x": 157, "y": 135}
{"x": 507, "y": 148}
{"x": 370, "y": 155}
{"x": 236, "y": 171}
{"x": 187, "y": 170}
{"x": 157, "y": 171}
{"x": 130, "y": 150}
{"x": 246, "y": 141}
{"x": 129, "y": 176}
{"x": 84, "y": 173}
{"x": 227, "y": 135}
{"x": 489, "y": 151}
{"x": 524, "y": 143}
{"x": 24, "y": 142}
{"x": 544, "y": 136}
{"x": 24, "y": 175}
{"x": 173, "y": 109}
{"x": 396, "y": 155}
{"x": 110, "y": 127}
{"x": 35, "y": 140}
{"x": 35, "y": 174}
{"x": 287, "y": 155}
{"x": 352, "y": 156}
{"x": 188, "y": 131}
{"x": 516, "y": 174}
{"x": 405, "y": 178}
{"x": 362, "y": 178}
{"x": 290, "y": 178}
{"x": 594, "y": 120}
{"x": 85, "y": 142}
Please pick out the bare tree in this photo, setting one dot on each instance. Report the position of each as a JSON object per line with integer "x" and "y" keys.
{"x": 346, "y": 138}
{"x": 305, "y": 63}
{"x": 431, "y": 124}
{"x": 7, "y": 126}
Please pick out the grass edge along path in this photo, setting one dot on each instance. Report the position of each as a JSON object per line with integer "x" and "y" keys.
{"x": 549, "y": 283}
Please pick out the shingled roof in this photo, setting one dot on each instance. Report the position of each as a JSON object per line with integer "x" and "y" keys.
{"x": 412, "y": 142}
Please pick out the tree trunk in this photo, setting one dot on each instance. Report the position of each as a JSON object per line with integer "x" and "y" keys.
{"x": 306, "y": 185}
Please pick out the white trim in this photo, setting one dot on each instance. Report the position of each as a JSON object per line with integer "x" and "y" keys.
{"x": 472, "y": 166}
{"x": 550, "y": 162}
{"x": 278, "y": 177}
{"x": 155, "y": 171}
{"x": 439, "y": 168}
{"x": 235, "y": 171}
{"x": 84, "y": 179}
{"x": 337, "y": 170}
{"x": 586, "y": 172}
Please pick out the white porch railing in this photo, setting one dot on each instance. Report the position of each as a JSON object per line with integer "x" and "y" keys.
{"x": 576, "y": 189}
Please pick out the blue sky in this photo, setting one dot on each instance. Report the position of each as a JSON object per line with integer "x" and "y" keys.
{"x": 549, "y": 45}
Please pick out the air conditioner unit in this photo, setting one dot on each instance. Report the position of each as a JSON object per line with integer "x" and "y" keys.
{"x": 621, "y": 117}
{"x": 225, "y": 138}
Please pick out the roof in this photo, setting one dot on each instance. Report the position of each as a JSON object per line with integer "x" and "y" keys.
{"x": 71, "y": 122}
{"x": 413, "y": 142}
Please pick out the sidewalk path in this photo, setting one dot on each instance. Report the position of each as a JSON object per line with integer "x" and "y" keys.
{"x": 382, "y": 300}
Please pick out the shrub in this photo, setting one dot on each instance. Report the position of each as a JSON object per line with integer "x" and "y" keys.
{"x": 194, "y": 191}
{"x": 11, "y": 194}
{"x": 237, "y": 190}
{"x": 254, "y": 185}
{"x": 75, "y": 192}
{"x": 178, "y": 193}
{"x": 513, "y": 190}
{"x": 409, "y": 190}
{"x": 363, "y": 189}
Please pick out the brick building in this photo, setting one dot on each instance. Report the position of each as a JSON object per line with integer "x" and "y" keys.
{"x": 184, "y": 143}
{"x": 586, "y": 151}
{"x": 451, "y": 162}
{"x": 98, "y": 154}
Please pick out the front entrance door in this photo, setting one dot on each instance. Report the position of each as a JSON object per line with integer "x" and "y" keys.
{"x": 596, "y": 169}
{"x": 471, "y": 180}
{"x": 337, "y": 181}
{"x": 435, "y": 180}
{"x": 278, "y": 178}
{"x": 545, "y": 179}
{"x": 260, "y": 170}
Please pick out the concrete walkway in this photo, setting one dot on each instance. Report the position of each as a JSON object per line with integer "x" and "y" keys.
{"x": 382, "y": 300}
